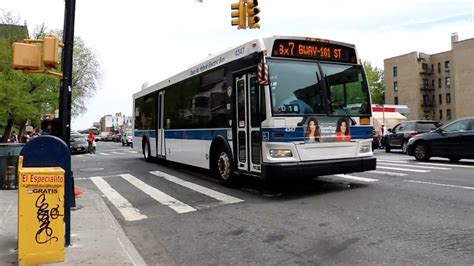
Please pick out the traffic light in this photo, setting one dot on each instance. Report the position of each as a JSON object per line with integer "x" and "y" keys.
{"x": 26, "y": 56}
{"x": 238, "y": 14}
{"x": 51, "y": 52}
{"x": 252, "y": 11}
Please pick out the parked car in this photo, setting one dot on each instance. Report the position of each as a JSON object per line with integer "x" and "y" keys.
{"x": 398, "y": 136}
{"x": 375, "y": 140}
{"x": 127, "y": 138}
{"x": 109, "y": 137}
{"x": 78, "y": 143}
{"x": 116, "y": 137}
{"x": 454, "y": 141}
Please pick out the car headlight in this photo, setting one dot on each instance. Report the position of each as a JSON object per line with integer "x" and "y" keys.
{"x": 365, "y": 148}
{"x": 279, "y": 153}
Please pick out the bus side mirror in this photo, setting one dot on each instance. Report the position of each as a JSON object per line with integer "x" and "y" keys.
{"x": 262, "y": 74}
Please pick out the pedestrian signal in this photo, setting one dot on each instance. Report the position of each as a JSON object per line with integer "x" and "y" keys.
{"x": 51, "y": 51}
{"x": 26, "y": 56}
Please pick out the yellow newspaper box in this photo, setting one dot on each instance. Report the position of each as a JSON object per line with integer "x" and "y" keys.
{"x": 40, "y": 214}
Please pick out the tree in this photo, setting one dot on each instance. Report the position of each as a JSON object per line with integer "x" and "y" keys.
{"x": 86, "y": 74}
{"x": 26, "y": 97}
{"x": 22, "y": 97}
{"x": 375, "y": 77}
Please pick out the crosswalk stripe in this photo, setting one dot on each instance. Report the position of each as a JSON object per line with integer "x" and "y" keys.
{"x": 387, "y": 173}
{"x": 132, "y": 151}
{"x": 416, "y": 166}
{"x": 103, "y": 153}
{"x": 79, "y": 156}
{"x": 158, "y": 195}
{"x": 403, "y": 169}
{"x": 364, "y": 179}
{"x": 437, "y": 184}
{"x": 119, "y": 153}
{"x": 128, "y": 212}
{"x": 209, "y": 192}
{"x": 393, "y": 161}
{"x": 450, "y": 165}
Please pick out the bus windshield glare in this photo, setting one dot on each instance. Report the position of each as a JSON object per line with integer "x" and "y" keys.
{"x": 297, "y": 88}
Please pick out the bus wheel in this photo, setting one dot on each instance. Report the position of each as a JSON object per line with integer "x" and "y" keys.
{"x": 146, "y": 151}
{"x": 222, "y": 167}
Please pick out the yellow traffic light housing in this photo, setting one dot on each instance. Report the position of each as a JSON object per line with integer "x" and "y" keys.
{"x": 51, "y": 51}
{"x": 26, "y": 56}
{"x": 252, "y": 11}
{"x": 238, "y": 14}
{"x": 37, "y": 56}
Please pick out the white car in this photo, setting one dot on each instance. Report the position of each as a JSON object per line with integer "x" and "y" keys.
{"x": 127, "y": 138}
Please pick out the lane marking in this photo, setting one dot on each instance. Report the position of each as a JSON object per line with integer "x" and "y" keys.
{"x": 387, "y": 173}
{"x": 132, "y": 151}
{"x": 417, "y": 166}
{"x": 158, "y": 195}
{"x": 119, "y": 153}
{"x": 91, "y": 154}
{"x": 437, "y": 184}
{"x": 127, "y": 210}
{"x": 364, "y": 179}
{"x": 103, "y": 153}
{"x": 204, "y": 190}
{"x": 79, "y": 156}
{"x": 402, "y": 169}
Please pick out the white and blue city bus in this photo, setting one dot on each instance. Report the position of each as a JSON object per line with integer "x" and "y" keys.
{"x": 277, "y": 106}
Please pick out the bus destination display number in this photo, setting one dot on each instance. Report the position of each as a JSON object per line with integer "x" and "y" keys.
{"x": 313, "y": 50}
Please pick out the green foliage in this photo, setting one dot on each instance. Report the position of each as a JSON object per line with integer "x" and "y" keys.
{"x": 29, "y": 96}
{"x": 86, "y": 72}
{"x": 22, "y": 96}
{"x": 375, "y": 77}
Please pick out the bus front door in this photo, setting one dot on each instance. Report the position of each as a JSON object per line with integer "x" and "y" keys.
{"x": 248, "y": 153}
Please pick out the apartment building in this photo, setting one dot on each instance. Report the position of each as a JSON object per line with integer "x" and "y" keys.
{"x": 437, "y": 86}
{"x": 115, "y": 122}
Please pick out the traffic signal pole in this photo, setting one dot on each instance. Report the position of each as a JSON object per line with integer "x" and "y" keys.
{"x": 65, "y": 104}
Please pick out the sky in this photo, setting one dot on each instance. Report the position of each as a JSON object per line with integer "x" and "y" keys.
{"x": 138, "y": 41}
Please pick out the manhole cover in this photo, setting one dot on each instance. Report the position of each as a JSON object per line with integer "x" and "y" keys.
{"x": 91, "y": 169}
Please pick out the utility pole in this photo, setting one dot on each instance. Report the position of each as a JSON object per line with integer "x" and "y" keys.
{"x": 65, "y": 104}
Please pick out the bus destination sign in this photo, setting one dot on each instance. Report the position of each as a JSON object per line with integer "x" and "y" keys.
{"x": 313, "y": 50}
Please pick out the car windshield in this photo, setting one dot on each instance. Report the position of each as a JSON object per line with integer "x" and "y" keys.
{"x": 460, "y": 125}
{"x": 297, "y": 88}
{"x": 426, "y": 126}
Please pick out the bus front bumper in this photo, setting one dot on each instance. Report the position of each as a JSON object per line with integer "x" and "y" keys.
{"x": 318, "y": 168}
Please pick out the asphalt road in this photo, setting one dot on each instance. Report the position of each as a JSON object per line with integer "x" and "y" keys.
{"x": 405, "y": 212}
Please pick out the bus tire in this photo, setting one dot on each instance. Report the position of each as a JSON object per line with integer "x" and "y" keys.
{"x": 146, "y": 151}
{"x": 222, "y": 166}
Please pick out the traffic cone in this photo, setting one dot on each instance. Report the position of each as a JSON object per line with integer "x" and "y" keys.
{"x": 77, "y": 192}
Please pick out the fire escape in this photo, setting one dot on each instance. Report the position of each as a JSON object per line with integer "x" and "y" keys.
{"x": 427, "y": 89}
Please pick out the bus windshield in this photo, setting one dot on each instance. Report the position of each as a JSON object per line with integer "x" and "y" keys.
{"x": 348, "y": 92}
{"x": 297, "y": 88}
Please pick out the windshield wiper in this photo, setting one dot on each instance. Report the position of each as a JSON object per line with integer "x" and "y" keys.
{"x": 348, "y": 114}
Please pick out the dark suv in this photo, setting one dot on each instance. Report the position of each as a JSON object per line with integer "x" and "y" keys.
{"x": 398, "y": 136}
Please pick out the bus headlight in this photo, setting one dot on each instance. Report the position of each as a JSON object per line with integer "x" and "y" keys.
{"x": 279, "y": 153}
{"x": 365, "y": 148}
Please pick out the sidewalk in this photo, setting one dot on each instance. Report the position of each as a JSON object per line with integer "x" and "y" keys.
{"x": 96, "y": 237}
